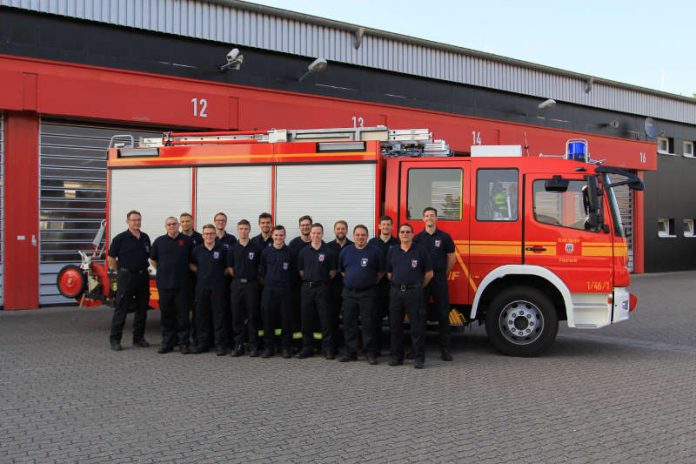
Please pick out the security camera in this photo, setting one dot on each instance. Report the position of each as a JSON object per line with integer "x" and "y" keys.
{"x": 547, "y": 104}
{"x": 234, "y": 60}
{"x": 232, "y": 55}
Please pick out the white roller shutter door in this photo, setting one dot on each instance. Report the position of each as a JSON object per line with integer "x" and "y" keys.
{"x": 155, "y": 193}
{"x": 327, "y": 192}
{"x": 73, "y": 194}
{"x": 241, "y": 192}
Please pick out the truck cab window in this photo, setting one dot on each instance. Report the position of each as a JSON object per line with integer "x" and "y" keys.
{"x": 497, "y": 194}
{"x": 439, "y": 188}
{"x": 565, "y": 209}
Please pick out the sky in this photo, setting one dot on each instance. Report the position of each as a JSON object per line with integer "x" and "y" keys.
{"x": 646, "y": 43}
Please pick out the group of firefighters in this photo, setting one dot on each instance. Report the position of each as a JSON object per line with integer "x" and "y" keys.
{"x": 235, "y": 286}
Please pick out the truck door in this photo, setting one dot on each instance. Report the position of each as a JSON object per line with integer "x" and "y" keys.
{"x": 564, "y": 232}
{"x": 444, "y": 185}
{"x": 496, "y": 225}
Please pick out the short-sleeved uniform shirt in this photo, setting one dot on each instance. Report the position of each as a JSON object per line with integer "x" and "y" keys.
{"x": 438, "y": 245}
{"x": 132, "y": 252}
{"x": 296, "y": 245}
{"x": 317, "y": 263}
{"x": 172, "y": 256}
{"x": 277, "y": 267}
{"x": 195, "y": 237}
{"x": 226, "y": 241}
{"x": 360, "y": 266}
{"x": 211, "y": 266}
{"x": 408, "y": 267}
{"x": 260, "y": 243}
{"x": 244, "y": 260}
{"x": 383, "y": 246}
{"x": 333, "y": 244}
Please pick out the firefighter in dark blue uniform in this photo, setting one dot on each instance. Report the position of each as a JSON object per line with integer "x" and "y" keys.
{"x": 209, "y": 261}
{"x": 186, "y": 221}
{"x": 409, "y": 269}
{"x": 384, "y": 241}
{"x": 243, "y": 266}
{"x": 337, "y": 245}
{"x": 265, "y": 238}
{"x": 128, "y": 254}
{"x": 278, "y": 271}
{"x": 362, "y": 266}
{"x": 261, "y": 241}
{"x": 317, "y": 266}
{"x": 440, "y": 247}
{"x": 226, "y": 241}
{"x": 170, "y": 256}
{"x": 296, "y": 245}
{"x": 221, "y": 235}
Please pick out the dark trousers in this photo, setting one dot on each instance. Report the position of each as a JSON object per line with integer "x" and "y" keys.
{"x": 316, "y": 307}
{"x": 244, "y": 301}
{"x": 359, "y": 304}
{"x": 437, "y": 288}
{"x": 132, "y": 287}
{"x": 336, "y": 308}
{"x": 277, "y": 306}
{"x": 411, "y": 302}
{"x": 383, "y": 288}
{"x": 174, "y": 312}
{"x": 210, "y": 304}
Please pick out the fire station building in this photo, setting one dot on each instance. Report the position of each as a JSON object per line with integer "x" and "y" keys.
{"x": 74, "y": 74}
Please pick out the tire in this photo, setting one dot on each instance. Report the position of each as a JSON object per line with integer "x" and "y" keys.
{"x": 521, "y": 321}
{"x": 71, "y": 281}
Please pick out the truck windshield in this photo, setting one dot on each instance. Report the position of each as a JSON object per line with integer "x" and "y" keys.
{"x": 614, "y": 206}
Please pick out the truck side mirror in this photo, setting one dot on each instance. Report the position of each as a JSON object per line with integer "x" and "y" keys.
{"x": 556, "y": 184}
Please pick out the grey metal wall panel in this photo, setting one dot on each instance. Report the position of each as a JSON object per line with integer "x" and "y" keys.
{"x": 73, "y": 195}
{"x": 286, "y": 32}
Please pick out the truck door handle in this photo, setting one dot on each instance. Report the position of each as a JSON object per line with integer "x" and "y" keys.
{"x": 535, "y": 249}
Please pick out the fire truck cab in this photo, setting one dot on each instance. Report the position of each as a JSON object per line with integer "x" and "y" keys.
{"x": 538, "y": 240}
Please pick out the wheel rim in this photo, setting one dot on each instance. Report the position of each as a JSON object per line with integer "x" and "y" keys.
{"x": 521, "y": 322}
{"x": 70, "y": 282}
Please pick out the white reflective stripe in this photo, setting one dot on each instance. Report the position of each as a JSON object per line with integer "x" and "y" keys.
{"x": 156, "y": 193}
{"x": 521, "y": 269}
{"x": 327, "y": 192}
{"x": 241, "y": 192}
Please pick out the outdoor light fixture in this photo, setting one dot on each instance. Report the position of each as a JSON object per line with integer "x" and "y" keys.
{"x": 234, "y": 60}
{"x": 547, "y": 104}
{"x": 315, "y": 66}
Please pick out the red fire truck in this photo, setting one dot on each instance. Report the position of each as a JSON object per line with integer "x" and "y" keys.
{"x": 538, "y": 239}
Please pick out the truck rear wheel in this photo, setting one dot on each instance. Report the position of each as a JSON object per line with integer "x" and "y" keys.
{"x": 521, "y": 321}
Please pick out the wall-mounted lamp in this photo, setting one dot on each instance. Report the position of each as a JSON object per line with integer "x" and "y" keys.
{"x": 315, "y": 66}
{"x": 547, "y": 104}
{"x": 234, "y": 60}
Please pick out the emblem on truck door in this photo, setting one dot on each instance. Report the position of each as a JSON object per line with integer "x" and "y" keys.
{"x": 569, "y": 248}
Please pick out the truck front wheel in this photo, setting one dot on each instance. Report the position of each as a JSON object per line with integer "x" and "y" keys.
{"x": 521, "y": 321}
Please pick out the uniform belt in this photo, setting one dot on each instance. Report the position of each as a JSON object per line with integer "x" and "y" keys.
{"x": 243, "y": 280}
{"x": 134, "y": 271}
{"x": 360, "y": 289}
{"x": 314, "y": 284}
{"x": 403, "y": 288}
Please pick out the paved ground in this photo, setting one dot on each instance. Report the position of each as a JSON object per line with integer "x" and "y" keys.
{"x": 622, "y": 394}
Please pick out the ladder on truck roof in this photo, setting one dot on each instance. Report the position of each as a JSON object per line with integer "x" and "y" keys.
{"x": 398, "y": 142}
